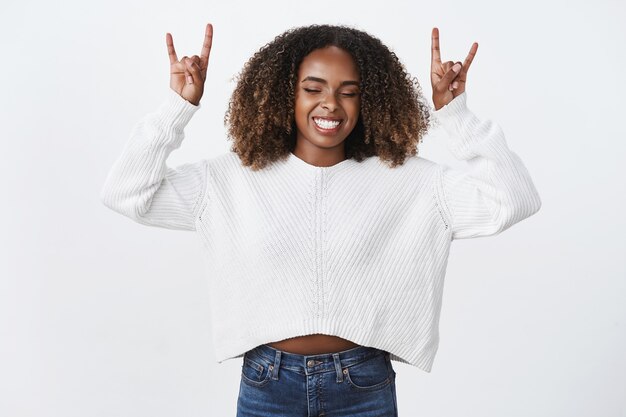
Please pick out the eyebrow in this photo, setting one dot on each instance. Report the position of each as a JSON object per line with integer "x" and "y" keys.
{"x": 321, "y": 80}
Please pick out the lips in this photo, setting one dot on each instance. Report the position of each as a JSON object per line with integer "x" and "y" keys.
{"x": 327, "y": 124}
{"x": 327, "y": 129}
{"x": 327, "y": 118}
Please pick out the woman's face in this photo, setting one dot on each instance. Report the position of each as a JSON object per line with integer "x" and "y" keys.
{"x": 327, "y": 92}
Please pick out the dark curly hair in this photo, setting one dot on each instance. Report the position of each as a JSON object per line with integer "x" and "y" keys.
{"x": 260, "y": 116}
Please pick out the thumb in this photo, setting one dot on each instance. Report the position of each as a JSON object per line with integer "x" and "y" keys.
{"x": 449, "y": 76}
{"x": 194, "y": 71}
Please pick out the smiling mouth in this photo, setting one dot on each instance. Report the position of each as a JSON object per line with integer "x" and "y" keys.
{"x": 327, "y": 124}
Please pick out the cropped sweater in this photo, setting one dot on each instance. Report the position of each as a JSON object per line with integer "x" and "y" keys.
{"x": 357, "y": 250}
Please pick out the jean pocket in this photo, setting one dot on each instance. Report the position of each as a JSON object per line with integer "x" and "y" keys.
{"x": 255, "y": 370}
{"x": 371, "y": 374}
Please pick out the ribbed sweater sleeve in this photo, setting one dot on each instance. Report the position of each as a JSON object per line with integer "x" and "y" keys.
{"x": 142, "y": 187}
{"x": 496, "y": 190}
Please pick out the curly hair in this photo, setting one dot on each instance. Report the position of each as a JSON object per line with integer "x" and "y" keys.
{"x": 260, "y": 118}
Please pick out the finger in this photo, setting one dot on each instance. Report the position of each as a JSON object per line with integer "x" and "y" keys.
{"x": 453, "y": 86}
{"x": 170, "y": 48}
{"x": 449, "y": 76}
{"x": 188, "y": 77}
{"x": 197, "y": 61}
{"x": 206, "y": 46}
{"x": 469, "y": 59}
{"x": 435, "y": 77}
{"x": 434, "y": 50}
{"x": 447, "y": 65}
{"x": 194, "y": 72}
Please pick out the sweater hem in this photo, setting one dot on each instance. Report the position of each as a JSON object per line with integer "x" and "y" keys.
{"x": 420, "y": 354}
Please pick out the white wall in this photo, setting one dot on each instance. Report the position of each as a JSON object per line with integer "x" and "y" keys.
{"x": 100, "y": 316}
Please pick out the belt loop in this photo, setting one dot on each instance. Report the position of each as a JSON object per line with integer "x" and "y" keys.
{"x": 276, "y": 365}
{"x": 338, "y": 367}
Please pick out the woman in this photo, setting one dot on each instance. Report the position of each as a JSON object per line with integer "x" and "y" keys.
{"x": 327, "y": 237}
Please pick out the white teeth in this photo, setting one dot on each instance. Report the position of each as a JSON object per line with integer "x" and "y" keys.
{"x": 326, "y": 124}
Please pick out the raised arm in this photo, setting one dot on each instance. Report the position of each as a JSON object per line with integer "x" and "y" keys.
{"x": 496, "y": 190}
{"x": 140, "y": 185}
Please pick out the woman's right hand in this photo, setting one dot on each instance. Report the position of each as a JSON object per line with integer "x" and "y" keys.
{"x": 187, "y": 76}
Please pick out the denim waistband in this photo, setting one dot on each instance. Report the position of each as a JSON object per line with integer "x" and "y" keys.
{"x": 322, "y": 362}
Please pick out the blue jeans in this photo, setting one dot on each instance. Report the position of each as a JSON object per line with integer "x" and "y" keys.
{"x": 359, "y": 382}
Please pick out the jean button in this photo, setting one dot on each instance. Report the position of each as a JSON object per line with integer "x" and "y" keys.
{"x": 310, "y": 362}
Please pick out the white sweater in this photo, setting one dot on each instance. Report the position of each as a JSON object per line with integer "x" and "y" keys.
{"x": 355, "y": 250}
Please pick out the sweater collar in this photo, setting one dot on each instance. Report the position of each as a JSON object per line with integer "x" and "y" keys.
{"x": 293, "y": 160}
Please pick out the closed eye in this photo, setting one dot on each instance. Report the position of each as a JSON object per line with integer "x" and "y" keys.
{"x": 308, "y": 90}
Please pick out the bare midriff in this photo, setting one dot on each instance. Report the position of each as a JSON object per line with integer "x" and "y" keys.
{"x": 313, "y": 344}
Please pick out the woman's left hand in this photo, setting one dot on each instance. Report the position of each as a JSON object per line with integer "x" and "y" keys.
{"x": 447, "y": 84}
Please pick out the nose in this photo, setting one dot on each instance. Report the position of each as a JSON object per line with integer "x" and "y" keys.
{"x": 329, "y": 103}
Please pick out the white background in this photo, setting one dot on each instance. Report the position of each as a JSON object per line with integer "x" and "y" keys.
{"x": 101, "y": 316}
